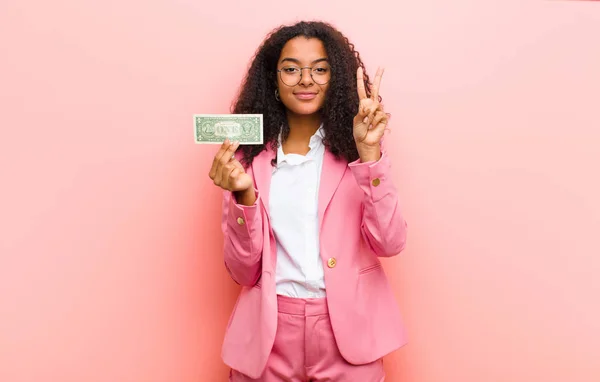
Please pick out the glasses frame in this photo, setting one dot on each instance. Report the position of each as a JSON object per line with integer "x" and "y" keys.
{"x": 302, "y": 73}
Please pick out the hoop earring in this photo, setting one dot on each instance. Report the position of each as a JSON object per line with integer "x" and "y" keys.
{"x": 277, "y": 95}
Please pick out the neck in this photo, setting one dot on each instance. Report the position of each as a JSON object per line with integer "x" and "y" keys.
{"x": 302, "y": 127}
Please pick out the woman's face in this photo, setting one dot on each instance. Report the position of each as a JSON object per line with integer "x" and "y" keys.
{"x": 300, "y": 92}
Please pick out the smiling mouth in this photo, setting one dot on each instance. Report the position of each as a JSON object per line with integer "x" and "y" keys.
{"x": 305, "y": 95}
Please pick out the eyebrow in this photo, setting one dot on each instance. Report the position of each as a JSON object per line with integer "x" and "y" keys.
{"x": 295, "y": 60}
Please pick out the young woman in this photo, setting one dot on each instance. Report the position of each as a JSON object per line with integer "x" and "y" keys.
{"x": 307, "y": 215}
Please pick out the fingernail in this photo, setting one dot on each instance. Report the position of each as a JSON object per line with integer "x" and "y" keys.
{"x": 366, "y": 120}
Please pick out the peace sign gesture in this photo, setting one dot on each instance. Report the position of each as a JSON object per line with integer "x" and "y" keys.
{"x": 370, "y": 121}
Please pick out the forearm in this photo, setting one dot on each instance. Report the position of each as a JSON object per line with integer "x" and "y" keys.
{"x": 383, "y": 225}
{"x": 243, "y": 233}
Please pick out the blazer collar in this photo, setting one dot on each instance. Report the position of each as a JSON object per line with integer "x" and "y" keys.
{"x": 332, "y": 173}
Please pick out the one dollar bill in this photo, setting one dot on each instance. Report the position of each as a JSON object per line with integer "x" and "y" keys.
{"x": 215, "y": 128}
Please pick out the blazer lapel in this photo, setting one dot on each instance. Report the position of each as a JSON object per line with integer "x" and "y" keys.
{"x": 332, "y": 172}
{"x": 331, "y": 175}
{"x": 262, "y": 170}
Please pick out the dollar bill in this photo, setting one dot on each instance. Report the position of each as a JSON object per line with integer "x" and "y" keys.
{"x": 215, "y": 128}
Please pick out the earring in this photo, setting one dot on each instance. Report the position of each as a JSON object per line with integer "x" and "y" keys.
{"x": 277, "y": 94}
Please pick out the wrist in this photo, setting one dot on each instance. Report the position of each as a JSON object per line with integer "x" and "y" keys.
{"x": 369, "y": 153}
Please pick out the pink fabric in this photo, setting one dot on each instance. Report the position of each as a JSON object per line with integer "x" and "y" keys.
{"x": 305, "y": 348}
{"x": 360, "y": 220}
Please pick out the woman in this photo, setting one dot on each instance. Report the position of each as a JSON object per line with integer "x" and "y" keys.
{"x": 307, "y": 215}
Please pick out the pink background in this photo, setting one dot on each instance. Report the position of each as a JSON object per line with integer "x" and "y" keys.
{"x": 111, "y": 266}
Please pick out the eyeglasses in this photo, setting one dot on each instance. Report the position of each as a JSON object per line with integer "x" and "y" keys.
{"x": 292, "y": 75}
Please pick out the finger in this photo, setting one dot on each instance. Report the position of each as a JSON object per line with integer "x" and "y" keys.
{"x": 222, "y": 149}
{"x": 370, "y": 117}
{"x": 361, "y": 116}
{"x": 387, "y": 122}
{"x": 363, "y": 108}
{"x": 370, "y": 112}
{"x": 213, "y": 170}
{"x": 374, "y": 109}
{"x": 223, "y": 175}
{"x": 227, "y": 155}
{"x": 367, "y": 106}
{"x": 380, "y": 127}
{"x": 360, "y": 84}
{"x": 232, "y": 178}
{"x": 376, "y": 84}
{"x": 379, "y": 117}
{"x": 226, "y": 144}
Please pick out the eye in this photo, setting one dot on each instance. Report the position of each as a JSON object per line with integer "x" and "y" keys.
{"x": 321, "y": 70}
{"x": 290, "y": 69}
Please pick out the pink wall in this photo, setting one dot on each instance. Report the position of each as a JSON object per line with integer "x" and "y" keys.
{"x": 110, "y": 266}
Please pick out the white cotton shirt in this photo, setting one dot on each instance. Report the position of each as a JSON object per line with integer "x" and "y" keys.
{"x": 293, "y": 205}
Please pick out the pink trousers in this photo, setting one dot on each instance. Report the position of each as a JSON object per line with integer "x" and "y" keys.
{"x": 305, "y": 348}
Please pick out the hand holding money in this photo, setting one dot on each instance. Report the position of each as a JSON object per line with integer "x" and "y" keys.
{"x": 230, "y": 130}
{"x": 229, "y": 174}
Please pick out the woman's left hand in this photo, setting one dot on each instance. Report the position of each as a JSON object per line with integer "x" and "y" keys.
{"x": 370, "y": 122}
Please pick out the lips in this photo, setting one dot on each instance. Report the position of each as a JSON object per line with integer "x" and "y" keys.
{"x": 305, "y": 95}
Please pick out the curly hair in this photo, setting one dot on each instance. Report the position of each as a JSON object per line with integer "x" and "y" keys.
{"x": 257, "y": 93}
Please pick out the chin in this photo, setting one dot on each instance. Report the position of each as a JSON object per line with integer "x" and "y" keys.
{"x": 306, "y": 109}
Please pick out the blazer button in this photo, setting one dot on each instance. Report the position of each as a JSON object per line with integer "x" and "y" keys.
{"x": 376, "y": 182}
{"x": 240, "y": 221}
{"x": 331, "y": 262}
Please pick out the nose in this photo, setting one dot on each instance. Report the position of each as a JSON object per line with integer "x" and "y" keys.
{"x": 306, "y": 79}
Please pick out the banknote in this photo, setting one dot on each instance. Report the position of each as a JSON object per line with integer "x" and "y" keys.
{"x": 215, "y": 128}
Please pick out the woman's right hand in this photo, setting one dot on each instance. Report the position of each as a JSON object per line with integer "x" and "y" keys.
{"x": 228, "y": 173}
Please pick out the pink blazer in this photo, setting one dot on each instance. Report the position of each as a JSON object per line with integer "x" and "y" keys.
{"x": 360, "y": 221}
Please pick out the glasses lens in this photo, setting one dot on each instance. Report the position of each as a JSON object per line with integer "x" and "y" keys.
{"x": 291, "y": 75}
{"x": 321, "y": 74}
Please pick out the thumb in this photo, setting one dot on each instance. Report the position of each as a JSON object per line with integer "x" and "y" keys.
{"x": 362, "y": 115}
{"x": 363, "y": 111}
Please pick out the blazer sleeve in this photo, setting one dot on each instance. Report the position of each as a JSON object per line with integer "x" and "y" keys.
{"x": 383, "y": 225}
{"x": 242, "y": 230}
